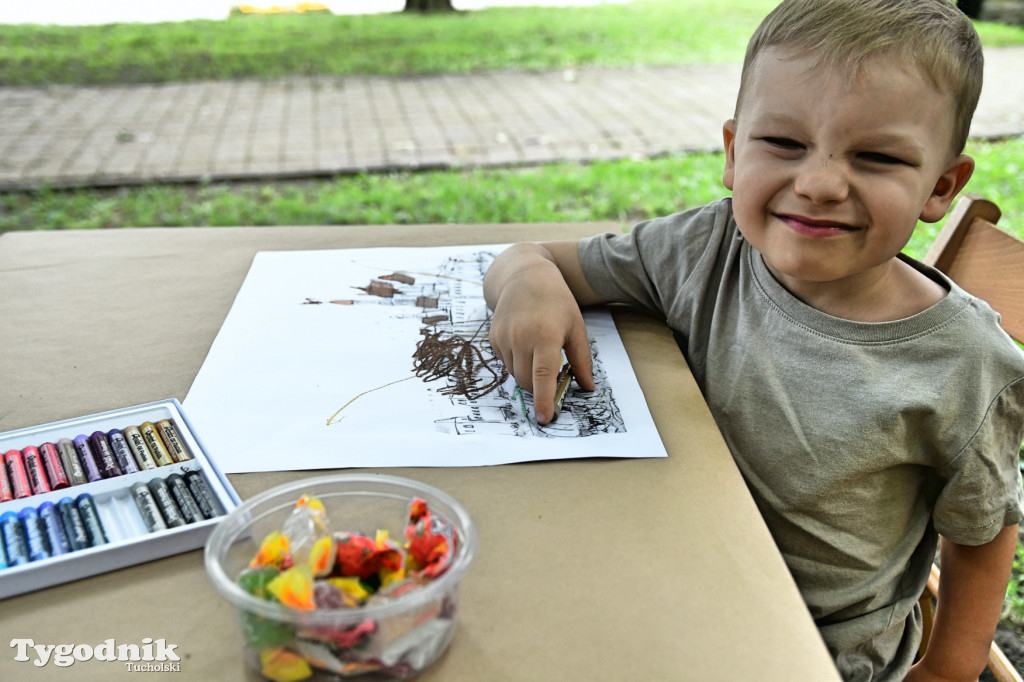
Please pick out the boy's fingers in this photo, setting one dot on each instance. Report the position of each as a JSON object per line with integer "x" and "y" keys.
{"x": 545, "y": 375}
{"x": 577, "y": 352}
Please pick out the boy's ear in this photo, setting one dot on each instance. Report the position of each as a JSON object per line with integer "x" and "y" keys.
{"x": 948, "y": 186}
{"x": 729, "y": 137}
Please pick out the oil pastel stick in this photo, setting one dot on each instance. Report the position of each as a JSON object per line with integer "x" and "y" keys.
{"x": 35, "y": 534}
{"x": 74, "y": 526}
{"x": 123, "y": 452}
{"x": 173, "y": 440}
{"x": 6, "y": 491}
{"x": 143, "y": 457}
{"x": 186, "y": 503}
{"x": 168, "y": 507}
{"x": 156, "y": 446}
{"x": 148, "y": 507}
{"x": 14, "y": 539}
{"x": 58, "y": 539}
{"x": 15, "y": 466}
{"x": 4, "y": 561}
{"x": 35, "y": 470}
{"x": 87, "y": 457}
{"x": 561, "y": 388}
{"x": 55, "y": 472}
{"x": 204, "y": 497}
{"x": 91, "y": 519}
{"x": 72, "y": 465}
{"x": 105, "y": 456}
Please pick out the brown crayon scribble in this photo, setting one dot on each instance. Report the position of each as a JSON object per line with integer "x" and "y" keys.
{"x": 445, "y": 355}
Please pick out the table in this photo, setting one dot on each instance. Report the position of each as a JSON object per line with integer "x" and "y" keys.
{"x": 603, "y": 569}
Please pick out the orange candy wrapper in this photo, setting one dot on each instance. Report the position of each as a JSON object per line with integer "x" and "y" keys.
{"x": 431, "y": 542}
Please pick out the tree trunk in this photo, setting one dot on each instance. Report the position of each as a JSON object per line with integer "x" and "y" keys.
{"x": 428, "y": 6}
{"x": 971, "y": 8}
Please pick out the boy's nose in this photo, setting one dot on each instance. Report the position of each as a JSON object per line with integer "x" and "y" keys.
{"x": 822, "y": 180}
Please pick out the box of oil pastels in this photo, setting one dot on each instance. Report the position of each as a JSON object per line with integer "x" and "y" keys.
{"x": 97, "y": 493}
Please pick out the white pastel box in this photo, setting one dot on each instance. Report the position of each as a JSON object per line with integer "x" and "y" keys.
{"x": 130, "y": 540}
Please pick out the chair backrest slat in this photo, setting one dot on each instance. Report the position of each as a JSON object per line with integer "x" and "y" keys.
{"x": 983, "y": 259}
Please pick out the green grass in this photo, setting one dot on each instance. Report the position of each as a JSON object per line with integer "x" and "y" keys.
{"x": 621, "y": 190}
{"x": 997, "y": 177}
{"x": 626, "y": 191}
{"x": 650, "y": 32}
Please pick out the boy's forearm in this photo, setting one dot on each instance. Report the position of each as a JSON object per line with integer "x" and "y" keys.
{"x": 519, "y": 259}
{"x": 972, "y": 588}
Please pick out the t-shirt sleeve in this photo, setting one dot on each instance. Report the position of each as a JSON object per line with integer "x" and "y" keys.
{"x": 983, "y": 492}
{"x": 651, "y": 265}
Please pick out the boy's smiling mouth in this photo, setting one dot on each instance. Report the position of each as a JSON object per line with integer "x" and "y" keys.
{"x": 814, "y": 227}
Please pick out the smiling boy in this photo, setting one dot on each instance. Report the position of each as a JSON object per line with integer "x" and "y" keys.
{"x": 869, "y": 402}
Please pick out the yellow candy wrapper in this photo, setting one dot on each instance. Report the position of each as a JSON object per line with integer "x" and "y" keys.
{"x": 282, "y": 665}
{"x": 273, "y": 551}
{"x": 294, "y": 588}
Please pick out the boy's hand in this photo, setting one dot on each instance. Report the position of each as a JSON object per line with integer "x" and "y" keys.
{"x": 536, "y": 317}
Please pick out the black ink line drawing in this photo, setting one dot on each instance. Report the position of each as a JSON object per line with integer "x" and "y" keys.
{"x": 507, "y": 411}
{"x": 453, "y": 349}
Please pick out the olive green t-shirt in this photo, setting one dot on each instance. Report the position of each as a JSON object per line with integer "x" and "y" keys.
{"x": 858, "y": 441}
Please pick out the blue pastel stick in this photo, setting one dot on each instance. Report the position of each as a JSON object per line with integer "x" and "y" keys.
{"x": 35, "y": 534}
{"x": 14, "y": 539}
{"x": 54, "y": 529}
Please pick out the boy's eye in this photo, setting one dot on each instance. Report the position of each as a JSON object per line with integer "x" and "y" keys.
{"x": 879, "y": 157}
{"x": 783, "y": 142}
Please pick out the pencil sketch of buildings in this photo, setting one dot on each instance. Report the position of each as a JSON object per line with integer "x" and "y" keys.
{"x": 452, "y": 356}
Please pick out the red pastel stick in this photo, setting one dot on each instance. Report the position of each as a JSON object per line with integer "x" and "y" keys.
{"x": 17, "y": 474}
{"x": 35, "y": 470}
{"x": 54, "y": 468}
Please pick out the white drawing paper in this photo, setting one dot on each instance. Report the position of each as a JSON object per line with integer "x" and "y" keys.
{"x": 379, "y": 358}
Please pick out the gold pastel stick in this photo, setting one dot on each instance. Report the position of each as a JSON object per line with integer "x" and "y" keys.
{"x": 561, "y": 388}
{"x": 155, "y": 445}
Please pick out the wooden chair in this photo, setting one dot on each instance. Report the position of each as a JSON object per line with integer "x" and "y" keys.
{"x": 988, "y": 263}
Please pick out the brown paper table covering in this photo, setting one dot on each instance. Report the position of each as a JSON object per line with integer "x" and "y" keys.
{"x": 602, "y": 569}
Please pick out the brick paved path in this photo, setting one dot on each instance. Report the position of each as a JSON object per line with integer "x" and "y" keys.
{"x": 308, "y": 126}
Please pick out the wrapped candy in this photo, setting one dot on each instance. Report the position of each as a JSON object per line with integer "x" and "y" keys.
{"x": 431, "y": 541}
{"x": 362, "y": 557}
{"x": 305, "y": 528}
{"x": 282, "y": 665}
{"x": 294, "y": 588}
{"x": 306, "y": 566}
{"x": 262, "y": 633}
{"x": 273, "y": 552}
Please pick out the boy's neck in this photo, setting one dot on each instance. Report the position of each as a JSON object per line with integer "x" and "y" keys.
{"x": 894, "y": 291}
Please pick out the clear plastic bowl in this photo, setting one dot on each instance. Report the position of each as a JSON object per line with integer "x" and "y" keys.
{"x": 408, "y": 632}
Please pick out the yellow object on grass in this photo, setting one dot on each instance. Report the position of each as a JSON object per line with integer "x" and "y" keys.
{"x": 300, "y": 8}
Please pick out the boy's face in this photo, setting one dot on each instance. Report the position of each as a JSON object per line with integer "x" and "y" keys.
{"x": 829, "y": 176}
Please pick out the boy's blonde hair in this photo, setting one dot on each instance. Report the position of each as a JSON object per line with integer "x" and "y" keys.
{"x": 932, "y": 35}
